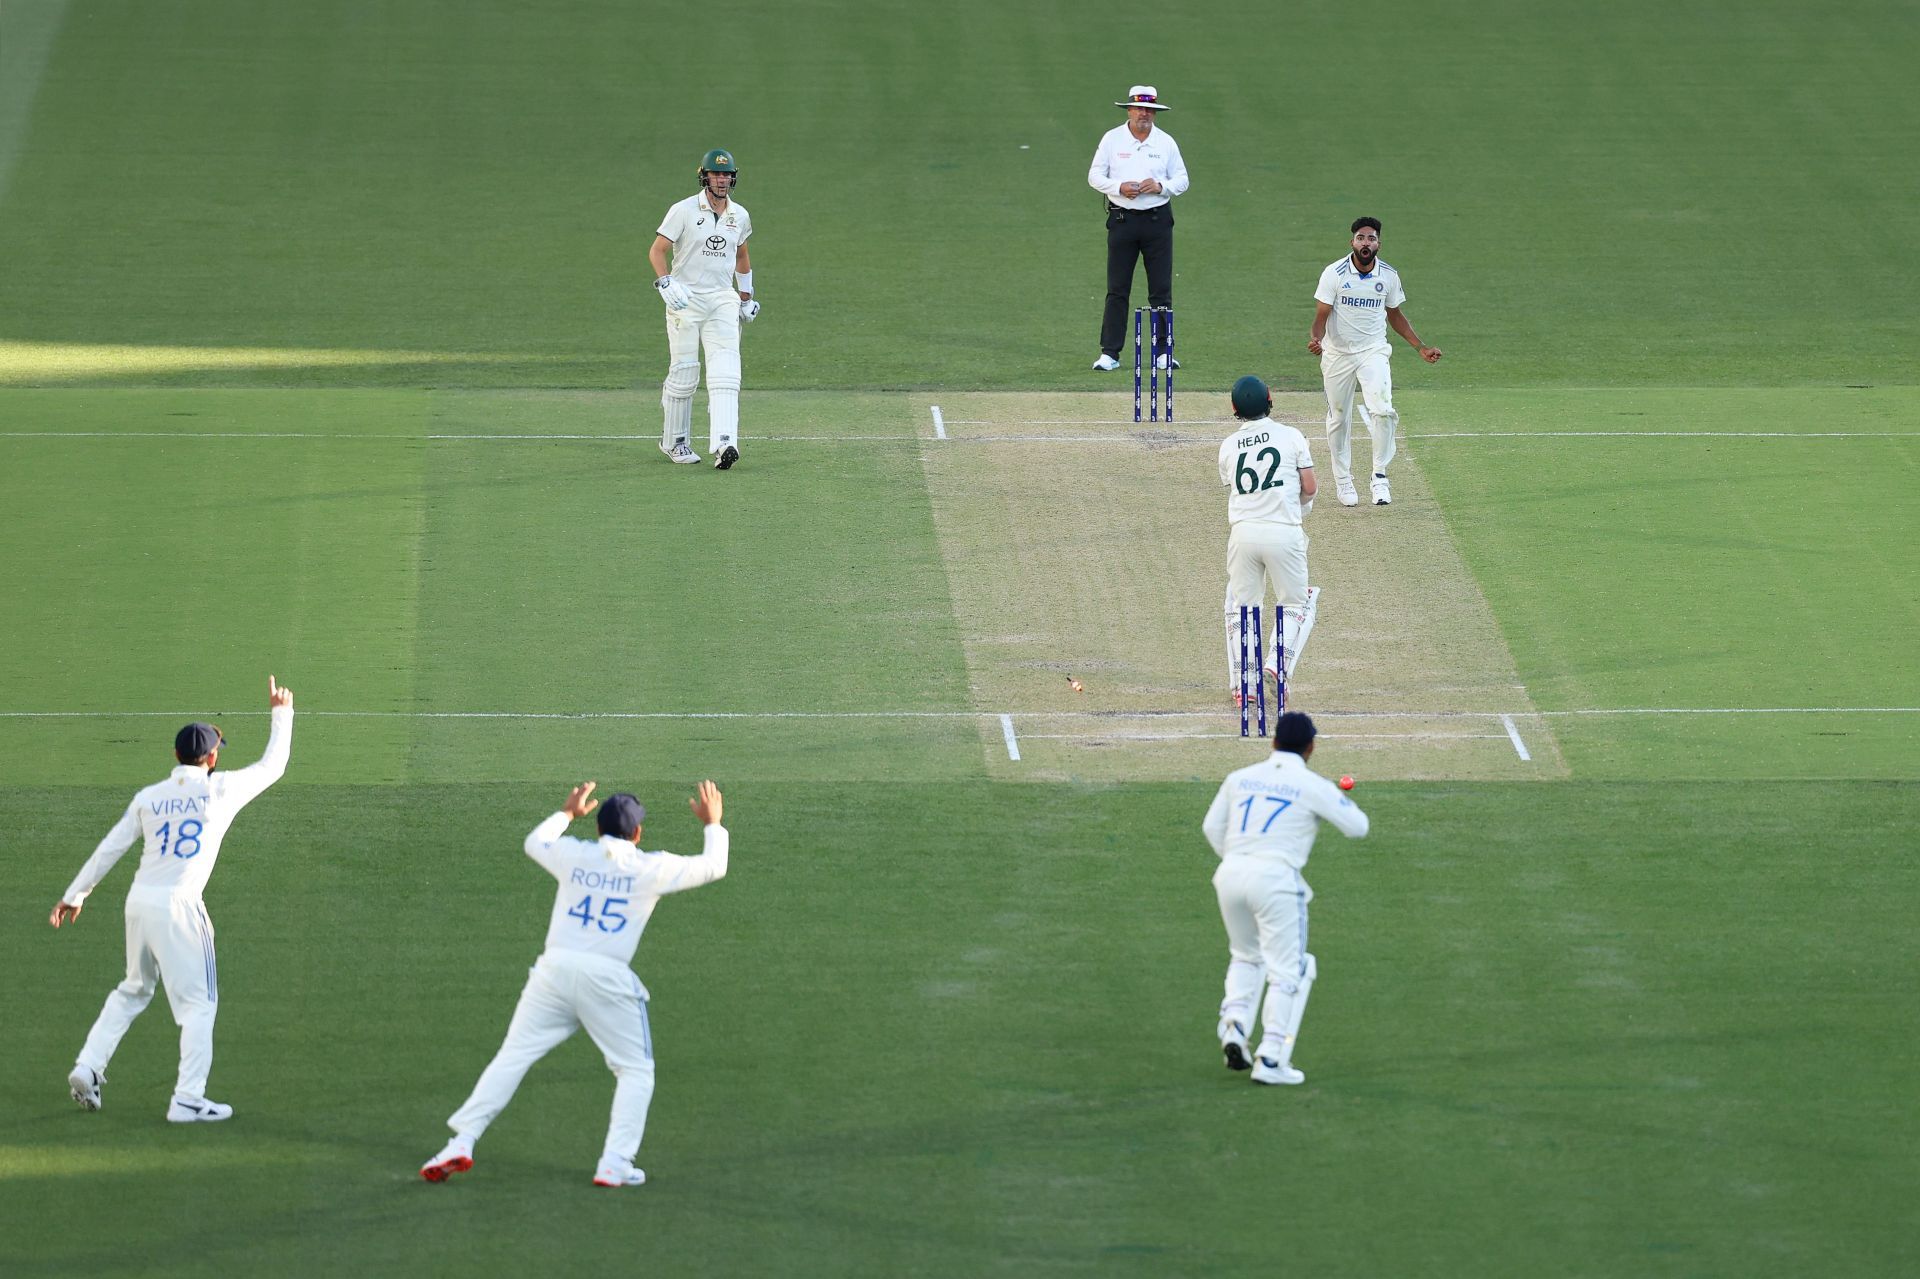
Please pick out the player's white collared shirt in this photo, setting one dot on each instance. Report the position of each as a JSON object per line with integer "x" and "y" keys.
{"x": 1359, "y": 302}
{"x": 608, "y": 887}
{"x": 183, "y": 819}
{"x": 705, "y": 245}
{"x": 1121, "y": 157}
{"x": 1260, "y": 464}
{"x": 1273, "y": 810}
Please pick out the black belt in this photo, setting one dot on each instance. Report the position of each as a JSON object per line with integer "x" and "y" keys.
{"x": 1123, "y": 209}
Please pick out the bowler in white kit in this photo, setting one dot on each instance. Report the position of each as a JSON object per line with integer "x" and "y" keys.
{"x": 169, "y": 936}
{"x": 607, "y": 891}
{"x": 1355, "y": 301}
{"x": 706, "y": 237}
{"x": 1262, "y": 824}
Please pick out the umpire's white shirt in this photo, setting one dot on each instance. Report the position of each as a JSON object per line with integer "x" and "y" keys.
{"x": 705, "y": 244}
{"x": 1358, "y": 323}
{"x": 608, "y": 887}
{"x": 1121, "y": 157}
{"x": 1272, "y": 811}
{"x": 1260, "y": 464}
{"x": 183, "y": 820}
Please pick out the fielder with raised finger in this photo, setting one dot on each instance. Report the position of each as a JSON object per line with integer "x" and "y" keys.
{"x": 169, "y": 937}
{"x": 584, "y": 977}
{"x": 699, "y": 255}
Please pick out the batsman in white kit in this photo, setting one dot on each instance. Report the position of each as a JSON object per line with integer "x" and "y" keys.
{"x": 1355, "y": 301}
{"x": 1268, "y": 472}
{"x": 608, "y": 889}
{"x": 706, "y": 236}
{"x": 1262, "y": 826}
{"x": 169, "y": 936}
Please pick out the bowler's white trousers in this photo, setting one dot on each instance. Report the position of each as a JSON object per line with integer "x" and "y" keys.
{"x": 1371, "y": 372}
{"x": 565, "y": 991}
{"x": 712, "y": 321}
{"x": 1263, "y": 902}
{"x": 170, "y": 940}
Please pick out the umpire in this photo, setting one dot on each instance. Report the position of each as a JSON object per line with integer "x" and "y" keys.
{"x": 1138, "y": 168}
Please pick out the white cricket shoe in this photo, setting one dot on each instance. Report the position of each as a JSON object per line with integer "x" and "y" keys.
{"x": 457, "y": 1156}
{"x": 1233, "y": 1044}
{"x": 1343, "y": 489}
{"x": 1268, "y": 1071}
{"x": 83, "y": 1082}
{"x": 1163, "y": 360}
{"x": 618, "y": 1172}
{"x": 196, "y": 1110}
{"x": 1105, "y": 364}
{"x": 681, "y": 452}
{"x": 1382, "y": 495}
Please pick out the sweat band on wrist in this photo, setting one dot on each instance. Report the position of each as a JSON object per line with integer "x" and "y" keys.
{"x": 745, "y": 279}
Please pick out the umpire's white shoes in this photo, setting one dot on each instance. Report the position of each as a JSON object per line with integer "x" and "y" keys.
{"x": 456, "y": 1157}
{"x": 1343, "y": 489}
{"x": 1105, "y": 364}
{"x": 84, "y": 1083}
{"x": 681, "y": 452}
{"x": 196, "y": 1110}
{"x": 1233, "y": 1044}
{"x": 618, "y": 1172}
{"x": 1165, "y": 361}
{"x": 728, "y": 456}
{"x": 1268, "y": 1071}
{"x": 1382, "y": 495}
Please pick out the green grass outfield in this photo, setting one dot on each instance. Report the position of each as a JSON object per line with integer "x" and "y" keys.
{"x": 282, "y": 294}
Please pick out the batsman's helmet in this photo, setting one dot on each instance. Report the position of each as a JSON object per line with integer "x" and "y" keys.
{"x": 1251, "y": 399}
{"x": 718, "y": 161}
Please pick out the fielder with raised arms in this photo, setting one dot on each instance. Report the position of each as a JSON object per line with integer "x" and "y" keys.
{"x": 1262, "y": 825}
{"x": 169, "y": 937}
{"x": 608, "y": 889}
{"x": 1355, "y": 301}
{"x": 706, "y": 236}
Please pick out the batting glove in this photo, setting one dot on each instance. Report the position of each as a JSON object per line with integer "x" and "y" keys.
{"x": 673, "y": 293}
{"x": 748, "y": 309}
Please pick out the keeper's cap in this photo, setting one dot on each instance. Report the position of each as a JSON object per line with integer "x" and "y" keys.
{"x": 620, "y": 816}
{"x": 197, "y": 741}
{"x": 1293, "y": 731}
{"x": 1251, "y": 398}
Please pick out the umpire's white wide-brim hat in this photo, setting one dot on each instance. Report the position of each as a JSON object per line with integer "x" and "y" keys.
{"x": 1144, "y": 95}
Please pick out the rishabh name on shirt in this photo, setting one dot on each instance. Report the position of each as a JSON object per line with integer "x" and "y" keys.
{"x": 1121, "y": 157}
{"x": 1359, "y": 302}
{"x": 705, "y": 246}
{"x": 1267, "y": 455}
{"x": 1273, "y": 810}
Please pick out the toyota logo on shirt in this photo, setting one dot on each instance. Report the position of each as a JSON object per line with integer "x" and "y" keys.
{"x": 716, "y": 244}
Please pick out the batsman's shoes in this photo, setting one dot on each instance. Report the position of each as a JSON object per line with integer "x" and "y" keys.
{"x": 681, "y": 452}
{"x": 1382, "y": 495}
{"x": 457, "y": 1157}
{"x": 1233, "y": 1044}
{"x": 728, "y": 456}
{"x": 196, "y": 1110}
{"x": 1165, "y": 361}
{"x": 1343, "y": 489}
{"x": 1268, "y": 1071}
{"x": 619, "y": 1173}
{"x": 1105, "y": 364}
{"x": 84, "y": 1083}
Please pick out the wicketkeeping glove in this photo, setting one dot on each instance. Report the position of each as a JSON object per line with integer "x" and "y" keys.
{"x": 748, "y": 309}
{"x": 673, "y": 293}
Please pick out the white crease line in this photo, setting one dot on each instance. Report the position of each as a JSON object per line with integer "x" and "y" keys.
{"x": 1197, "y": 737}
{"x": 1520, "y": 747}
{"x": 939, "y": 424}
{"x": 962, "y": 715}
{"x": 1006, "y": 727}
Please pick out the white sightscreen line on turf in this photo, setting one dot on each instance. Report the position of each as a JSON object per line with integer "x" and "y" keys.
{"x": 939, "y": 424}
{"x": 1520, "y": 747}
{"x": 1013, "y": 746}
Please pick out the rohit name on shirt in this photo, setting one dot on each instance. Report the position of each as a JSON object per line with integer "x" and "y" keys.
{"x": 602, "y": 881}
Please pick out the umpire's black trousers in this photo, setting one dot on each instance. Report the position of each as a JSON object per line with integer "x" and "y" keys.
{"x": 1133, "y": 234}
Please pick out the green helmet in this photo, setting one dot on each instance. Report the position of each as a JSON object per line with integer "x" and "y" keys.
{"x": 717, "y": 161}
{"x": 1251, "y": 399}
